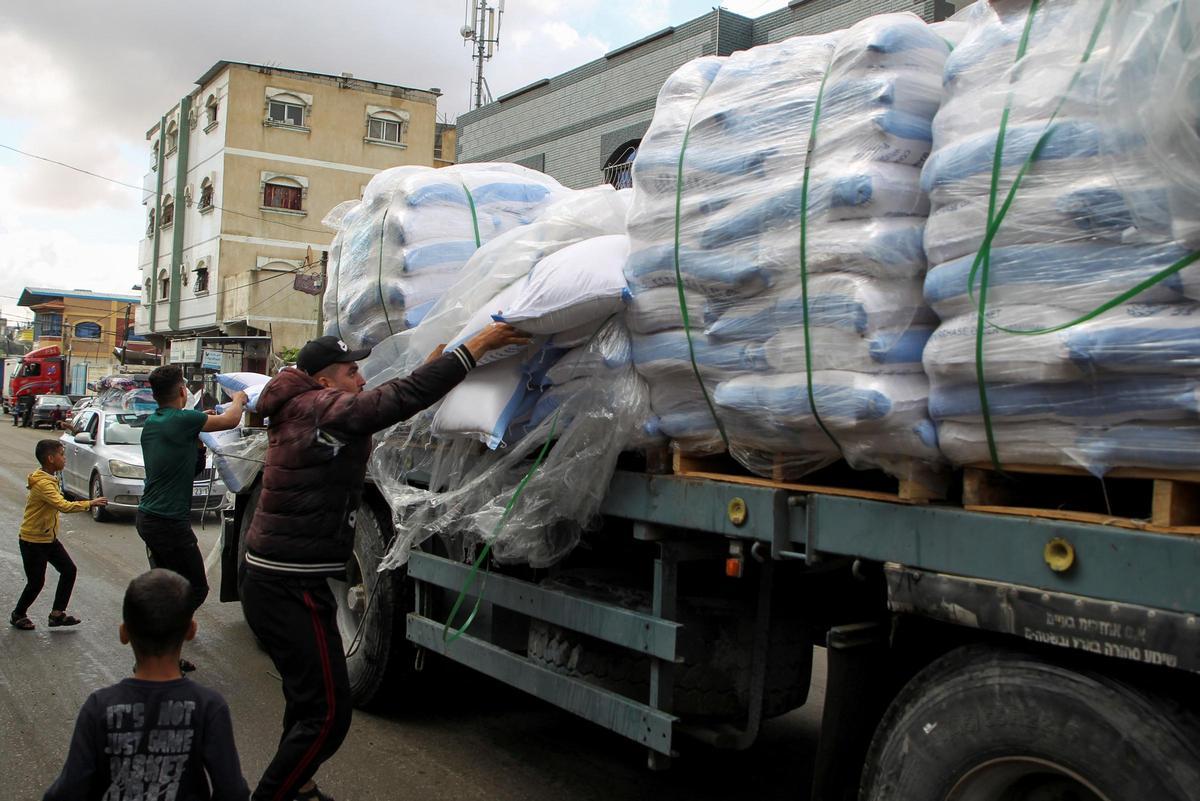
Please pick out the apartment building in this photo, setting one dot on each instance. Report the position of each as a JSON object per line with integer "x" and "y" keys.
{"x": 242, "y": 172}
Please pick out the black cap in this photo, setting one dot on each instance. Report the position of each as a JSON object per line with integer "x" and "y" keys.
{"x": 321, "y": 352}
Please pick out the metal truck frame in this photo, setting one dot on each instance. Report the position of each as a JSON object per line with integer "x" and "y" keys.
{"x": 1080, "y": 633}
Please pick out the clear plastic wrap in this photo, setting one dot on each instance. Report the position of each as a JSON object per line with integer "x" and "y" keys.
{"x": 576, "y": 388}
{"x": 799, "y": 260}
{"x": 399, "y": 248}
{"x": 1070, "y": 328}
{"x": 238, "y": 455}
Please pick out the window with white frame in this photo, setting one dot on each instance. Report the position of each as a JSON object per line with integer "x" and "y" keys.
{"x": 210, "y": 111}
{"x": 150, "y": 223}
{"x": 283, "y": 193}
{"x": 288, "y": 110}
{"x": 168, "y": 210}
{"x": 154, "y": 156}
{"x": 206, "y": 195}
{"x": 146, "y": 289}
{"x": 172, "y": 137}
{"x": 386, "y": 126}
{"x": 201, "y": 271}
{"x": 164, "y": 284}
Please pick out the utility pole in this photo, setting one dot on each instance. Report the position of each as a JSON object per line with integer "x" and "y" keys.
{"x": 321, "y": 297}
{"x": 482, "y": 29}
{"x": 125, "y": 336}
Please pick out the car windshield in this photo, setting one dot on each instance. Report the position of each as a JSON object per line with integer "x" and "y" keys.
{"x": 124, "y": 429}
{"x": 55, "y": 400}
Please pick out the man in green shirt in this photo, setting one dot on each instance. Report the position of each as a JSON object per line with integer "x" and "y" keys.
{"x": 170, "y": 440}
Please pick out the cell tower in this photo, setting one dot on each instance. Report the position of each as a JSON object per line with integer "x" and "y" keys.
{"x": 482, "y": 29}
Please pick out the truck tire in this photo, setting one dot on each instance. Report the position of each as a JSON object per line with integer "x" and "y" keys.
{"x": 713, "y": 682}
{"x": 372, "y": 607}
{"x": 983, "y": 724}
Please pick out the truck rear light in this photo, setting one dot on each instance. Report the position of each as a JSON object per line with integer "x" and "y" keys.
{"x": 735, "y": 562}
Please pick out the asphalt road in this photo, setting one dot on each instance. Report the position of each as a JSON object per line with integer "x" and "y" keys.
{"x": 468, "y": 738}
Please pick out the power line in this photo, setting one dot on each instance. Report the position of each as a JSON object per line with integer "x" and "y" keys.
{"x": 258, "y": 217}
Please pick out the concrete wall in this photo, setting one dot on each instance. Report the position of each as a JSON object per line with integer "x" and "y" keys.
{"x": 570, "y": 125}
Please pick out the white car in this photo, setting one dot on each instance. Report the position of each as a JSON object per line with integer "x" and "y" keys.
{"x": 104, "y": 458}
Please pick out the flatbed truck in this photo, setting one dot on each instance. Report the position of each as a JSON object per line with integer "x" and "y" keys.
{"x": 970, "y": 656}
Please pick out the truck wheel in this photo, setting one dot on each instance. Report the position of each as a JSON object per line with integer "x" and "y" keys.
{"x": 371, "y": 612}
{"x": 99, "y": 513}
{"x": 982, "y": 724}
{"x": 716, "y": 643}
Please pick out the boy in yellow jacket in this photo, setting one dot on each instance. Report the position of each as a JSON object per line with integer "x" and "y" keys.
{"x": 39, "y": 537}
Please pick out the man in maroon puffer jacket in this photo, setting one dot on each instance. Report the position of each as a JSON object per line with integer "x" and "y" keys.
{"x": 319, "y": 440}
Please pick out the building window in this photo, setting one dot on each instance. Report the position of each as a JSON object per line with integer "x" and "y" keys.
{"x": 210, "y": 111}
{"x": 154, "y": 156}
{"x": 87, "y": 330}
{"x": 47, "y": 324}
{"x": 384, "y": 126}
{"x": 282, "y": 193}
{"x": 201, "y": 277}
{"x": 206, "y": 195}
{"x": 168, "y": 211}
{"x": 172, "y": 137}
{"x": 281, "y": 112}
{"x": 150, "y": 223}
{"x": 437, "y": 142}
{"x": 164, "y": 285}
{"x": 146, "y": 289}
{"x": 618, "y": 170}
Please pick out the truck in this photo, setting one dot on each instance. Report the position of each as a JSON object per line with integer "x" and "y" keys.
{"x": 970, "y": 651}
{"x": 40, "y": 372}
{"x": 11, "y": 363}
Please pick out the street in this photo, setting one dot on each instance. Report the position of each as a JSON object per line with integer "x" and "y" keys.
{"x": 471, "y": 739}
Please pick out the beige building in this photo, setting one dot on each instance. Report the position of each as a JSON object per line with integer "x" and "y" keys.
{"x": 242, "y": 171}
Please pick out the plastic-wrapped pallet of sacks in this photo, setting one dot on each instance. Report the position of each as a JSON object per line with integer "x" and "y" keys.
{"x": 800, "y": 273}
{"x": 561, "y": 279}
{"x": 399, "y": 248}
{"x": 1070, "y": 327}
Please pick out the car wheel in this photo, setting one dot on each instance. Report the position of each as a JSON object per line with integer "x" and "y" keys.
{"x": 99, "y": 513}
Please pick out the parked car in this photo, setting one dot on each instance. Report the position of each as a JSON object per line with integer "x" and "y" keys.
{"x": 104, "y": 458}
{"x": 80, "y": 404}
{"x": 49, "y": 410}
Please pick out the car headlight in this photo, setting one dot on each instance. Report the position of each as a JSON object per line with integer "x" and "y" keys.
{"x": 125, "y": 470}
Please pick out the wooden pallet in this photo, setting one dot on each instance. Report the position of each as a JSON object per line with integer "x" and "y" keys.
{"x": 920, "y": 484}
{"x": 1134, "y": 498}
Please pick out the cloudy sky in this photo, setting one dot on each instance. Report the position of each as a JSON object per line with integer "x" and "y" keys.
{"x": 81, "y": 81}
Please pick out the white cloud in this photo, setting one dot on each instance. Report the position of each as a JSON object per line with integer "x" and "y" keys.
{"x": 82, "y": 81}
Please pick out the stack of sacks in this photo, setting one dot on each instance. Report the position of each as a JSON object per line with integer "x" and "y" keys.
{"x": 399, "y": 248}
{"x": 740, "y": 196}
{"x": 1090, "y": 220}
{"x": 570, "y": 397}
{"x": 564, "y": 297}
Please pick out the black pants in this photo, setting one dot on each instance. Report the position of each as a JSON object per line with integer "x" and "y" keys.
{"x": 171, "y": 544}
{"x": 35, "y": 556}
{"x": 295, "y": 619}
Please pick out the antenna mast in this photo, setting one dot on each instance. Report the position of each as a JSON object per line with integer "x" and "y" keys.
{"x": 482, "y": 29}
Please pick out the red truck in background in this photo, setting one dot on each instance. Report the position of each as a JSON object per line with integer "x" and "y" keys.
{"x": 40, "y": 373}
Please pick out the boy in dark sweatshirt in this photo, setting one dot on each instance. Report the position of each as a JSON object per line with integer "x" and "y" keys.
{"x": 156, "y": 735}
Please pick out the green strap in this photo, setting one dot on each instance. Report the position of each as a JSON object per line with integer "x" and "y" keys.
{"x": 379, "y": 278}
{"x": 447, "y": 635}
{"x": 474, "y": 216}
{"x": 683, "y": 309}
{"x": 981, "y": 265}
{"x": 808, "y": 159}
